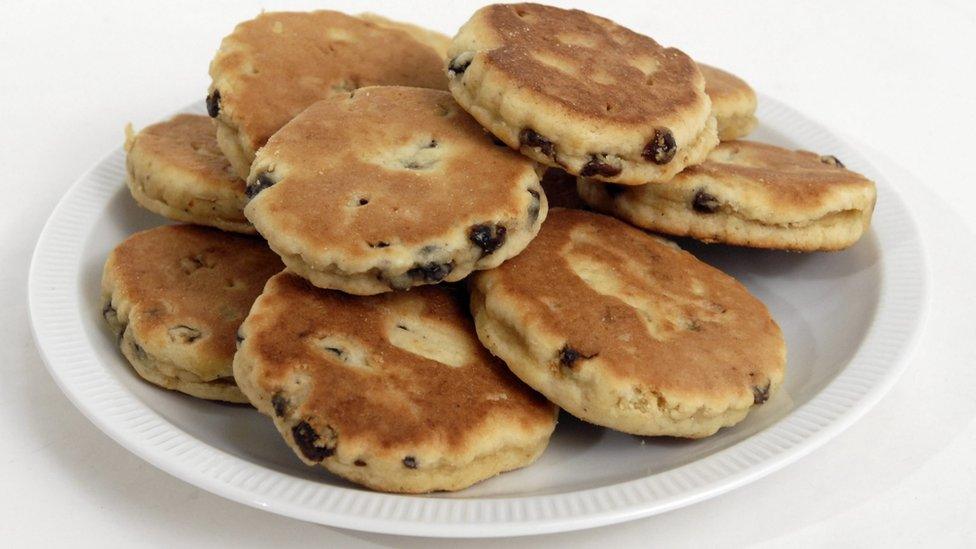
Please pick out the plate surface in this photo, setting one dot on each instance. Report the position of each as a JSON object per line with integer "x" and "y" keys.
{"x": 850, "y": 319}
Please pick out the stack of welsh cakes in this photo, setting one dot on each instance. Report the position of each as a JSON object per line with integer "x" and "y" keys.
{"x": 389, "y": 245}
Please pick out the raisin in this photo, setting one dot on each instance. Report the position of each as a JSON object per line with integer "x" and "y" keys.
{"x": 760, "y": 394}
{"x": 535, "y": 206}
{"x": 661, "y": 148}
{"x": 139, "y": 351}
{"x": 459, "y": 64}
{"x": 487, "y": 237}
{"x": 280, "y": 404}
{"x": 380, "y": 244}
{"x": 109, "y": 312}
{"x": 705, "y": 203}
{"x": 568, "y": 356}
{"x": 431, "y": 272}
{"x": 262, "y": 182}
{"x": 306, "y": 439}
{"x": 238, "y": 338}
{"x": 529, "y": 138}
{"x": 213, "y": 104}
{"x": 336, "y": 351}
{"x": 598, "y": 165}
{"x": 831, "y": 160}
{"x": 359, "y": 463}
{"x": 410, "y": 462}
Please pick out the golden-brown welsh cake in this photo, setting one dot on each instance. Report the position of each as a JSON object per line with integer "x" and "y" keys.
{"x": 750, "y": 194}
{"x": 175, "y": 169}
{"x": 175, "y": 296}
{"x": 389, "y": 188}
{"x": 626, "y": 330}
{"x": 390, "y": 391}
{"x": 577, "y": 91}
{"x": 733, "y": 102}
{"x": 273, "y": 66}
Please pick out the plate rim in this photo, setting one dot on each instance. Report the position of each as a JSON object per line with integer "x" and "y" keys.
{"x": 876, "y": 365}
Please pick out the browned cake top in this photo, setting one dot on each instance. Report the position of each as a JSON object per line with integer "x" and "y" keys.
{"x": 397, "y": 370}
{"x": 722, "y": 86}
{"x": 386, "y": 168}
{"x": 188, "y": 142}
{"x": 783, "y": 179}
{"x": 589, "y": 65}
{"x": 273, "y": 66}
{"x": 189, "y": 285}
{"x": 636, "y": 307}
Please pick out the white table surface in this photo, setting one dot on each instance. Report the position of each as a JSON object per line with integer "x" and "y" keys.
{"x": 898, "y": 80}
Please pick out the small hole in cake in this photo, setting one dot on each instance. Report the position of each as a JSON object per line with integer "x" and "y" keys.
{"x": 346, "y": 350}
{"x": 522, "y": 13}
{"x": 577, "y": 39}
{"x": 831, "y": 160}
{"x": 260, "y": 183}
{"x": 760, "y": 394}
{"x": 345, "y": 85}
{"x": 191, "y": 264}
{"x": 422, "y": 155}
{"x": 443, "y": 110}
{"x": 184, "y": 334}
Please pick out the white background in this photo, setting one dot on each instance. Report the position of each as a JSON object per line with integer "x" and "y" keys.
{"x": 898, "y": 80}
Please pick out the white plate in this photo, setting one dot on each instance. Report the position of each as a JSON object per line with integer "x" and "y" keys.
{"x": 850, "y": 319}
